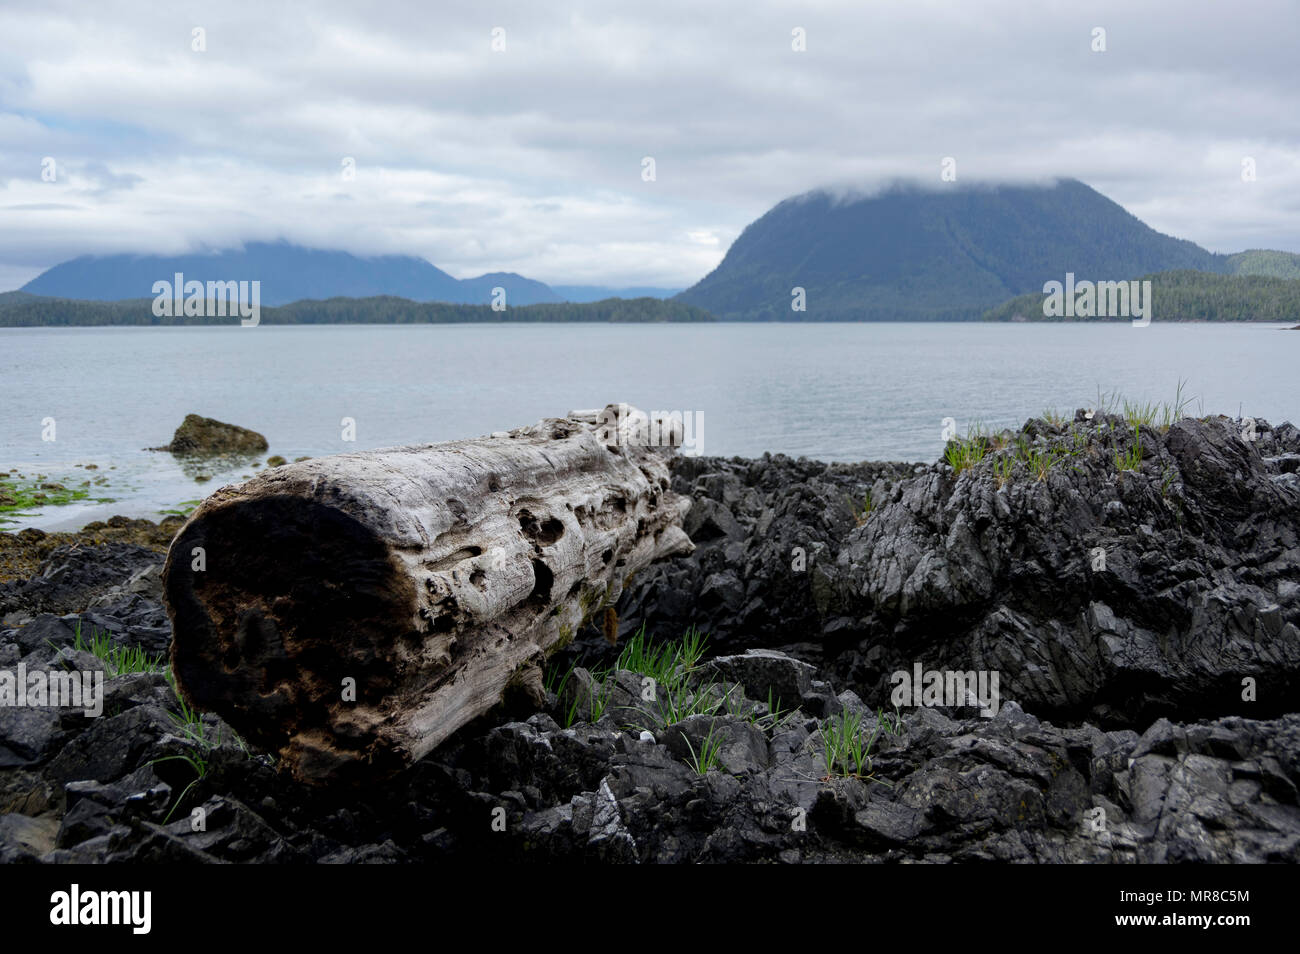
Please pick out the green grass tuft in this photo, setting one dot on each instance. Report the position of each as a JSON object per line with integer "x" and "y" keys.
{"x": 846, "y": 746}
{"x": 964, "y": 453}
{"x": 117, "y": 660}
{"x": 861, "y": 513}
{"x": 1130, "y": 460}
{"x": 707, "y": 758}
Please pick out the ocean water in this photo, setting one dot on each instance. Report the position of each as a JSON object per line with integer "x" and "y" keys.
{"x": 840, "y": 392}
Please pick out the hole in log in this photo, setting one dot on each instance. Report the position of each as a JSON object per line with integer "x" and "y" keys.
{"x": 296, "y": 597}
{"x": 543, "y": 578}
{"x": 542, "y": 533}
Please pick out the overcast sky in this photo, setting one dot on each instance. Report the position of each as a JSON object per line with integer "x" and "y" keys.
{"x": 529, "y": 159}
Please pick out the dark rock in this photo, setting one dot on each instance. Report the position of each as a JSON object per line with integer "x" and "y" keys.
{"x": 764, "y": 530}
{"x": 1119, "y": 596}
{"x": 45, "y": 632}
{"x": 231, "y": 831}
{"x": 112, "y": 747}
{"x": 764, "y": 673}
{"x": 741, "y": 748}
{"x": 27, "y": 734}
{"x": 205, "y": 436}
{"x": 72, "y": 576}
{"x": 24, "y": 839}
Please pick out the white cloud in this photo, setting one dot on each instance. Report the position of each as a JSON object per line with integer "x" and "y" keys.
{"x": 529, "y": 160}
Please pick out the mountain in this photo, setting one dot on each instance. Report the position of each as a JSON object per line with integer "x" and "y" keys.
{"x": 585, "y": 293}
{"x": 287, "y": 272}
{"x": 910, "y": 253}
{"x": 519, "y": 290}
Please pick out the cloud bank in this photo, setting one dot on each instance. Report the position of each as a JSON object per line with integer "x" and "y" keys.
{"x": 399, "y": 128}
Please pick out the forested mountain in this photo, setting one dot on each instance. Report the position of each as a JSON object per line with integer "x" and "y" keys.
{"x": 947, "y": 253}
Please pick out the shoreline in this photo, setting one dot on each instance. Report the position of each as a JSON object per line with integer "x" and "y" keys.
{"x": 816, "y": 585}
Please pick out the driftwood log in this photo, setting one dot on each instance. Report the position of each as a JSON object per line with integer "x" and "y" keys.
{"x": 351, "y": 612}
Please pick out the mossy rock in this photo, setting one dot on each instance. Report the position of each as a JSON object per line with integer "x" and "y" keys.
{"x": 276, "y": 461}
{"x": 205, "y": 436}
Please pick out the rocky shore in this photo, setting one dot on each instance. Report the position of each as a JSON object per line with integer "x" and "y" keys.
{"x": 1136, "y": 592}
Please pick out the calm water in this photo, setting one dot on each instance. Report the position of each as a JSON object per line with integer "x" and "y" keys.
{"x": 829, "y": 391}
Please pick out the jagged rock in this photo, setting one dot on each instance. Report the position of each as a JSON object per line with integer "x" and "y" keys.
{"x": 27, "y": 735}
{"x": 111, "y": 747}
{"x": 764, "y": 671}
{"x": 741, "y": 748}
{"x": 1114, "y": 595}
{"x": 72, "y": 577}
{"x": 766, "y": 531}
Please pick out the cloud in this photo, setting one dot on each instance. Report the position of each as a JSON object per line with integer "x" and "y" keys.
{"x": 529, "y": 159}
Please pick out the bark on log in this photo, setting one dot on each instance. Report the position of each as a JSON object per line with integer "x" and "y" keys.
{"x": 431, "y": 575}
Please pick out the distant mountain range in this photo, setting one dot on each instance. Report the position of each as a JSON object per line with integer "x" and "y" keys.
{"x": 290, "y": 273}
{"x": 905, "y": 253}
{"x": 909, "y": 253}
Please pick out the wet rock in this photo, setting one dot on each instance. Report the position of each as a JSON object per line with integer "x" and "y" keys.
{"x": 205, "y": 436}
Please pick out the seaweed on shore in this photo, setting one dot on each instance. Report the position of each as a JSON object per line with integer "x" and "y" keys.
{"x": 21, "y": 495}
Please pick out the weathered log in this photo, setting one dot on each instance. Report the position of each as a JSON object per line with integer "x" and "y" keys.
{"x": 433, "y": 576}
